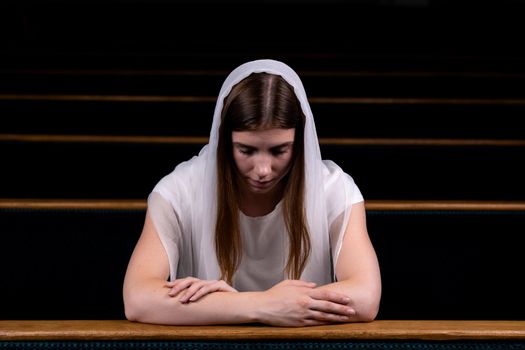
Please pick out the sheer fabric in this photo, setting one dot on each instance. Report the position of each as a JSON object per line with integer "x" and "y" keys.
{"x": 183, "y": 204}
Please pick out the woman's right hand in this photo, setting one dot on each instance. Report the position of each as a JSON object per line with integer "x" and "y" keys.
{"x": 191, "y": 289}
{"x": 299, "y": 303}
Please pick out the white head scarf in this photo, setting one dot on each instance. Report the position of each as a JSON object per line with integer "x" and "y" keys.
{"x": 322, "y": 217}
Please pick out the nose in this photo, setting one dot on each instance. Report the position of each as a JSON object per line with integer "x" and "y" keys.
{"x": 263, "y": 166}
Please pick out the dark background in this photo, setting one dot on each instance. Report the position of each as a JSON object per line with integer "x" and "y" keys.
{"x": 70, "y": 264}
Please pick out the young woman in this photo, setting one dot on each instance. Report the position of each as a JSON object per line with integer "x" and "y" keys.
{"x": 257, "y": 227}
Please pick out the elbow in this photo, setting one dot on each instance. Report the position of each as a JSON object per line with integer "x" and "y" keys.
{"x": 370, "y": 306}
{"x": 368, "y": 313}
{"x": 131, "y": 310}
{"x": 148, "y": 308}
{"x": 133, "y": 307}
{"x": 131, "y": 314}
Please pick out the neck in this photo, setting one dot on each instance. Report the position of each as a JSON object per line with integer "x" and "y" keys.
{"x": 259, "y": 204}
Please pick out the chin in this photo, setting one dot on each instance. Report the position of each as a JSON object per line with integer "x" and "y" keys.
{"x": 261, "y": 190}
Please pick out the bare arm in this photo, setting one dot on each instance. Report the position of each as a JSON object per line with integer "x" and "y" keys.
{"x": 146, "y": 291}
{"x": 357, "y": 268}
{"x": 290, "y": 303}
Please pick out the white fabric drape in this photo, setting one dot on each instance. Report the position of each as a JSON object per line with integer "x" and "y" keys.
{"x": 183, "y": 204}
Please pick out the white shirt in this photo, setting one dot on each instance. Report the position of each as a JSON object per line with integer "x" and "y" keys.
{"x": 264, "y": 239}
{"x": 188, "y": 195}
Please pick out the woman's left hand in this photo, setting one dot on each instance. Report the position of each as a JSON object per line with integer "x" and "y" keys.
{"x": 192, "y": 289}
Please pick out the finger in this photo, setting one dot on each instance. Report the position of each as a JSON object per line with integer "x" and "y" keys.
{"x": 329, "y": 307}
{"x": 314, "y": 322}
{"x": 180, "y": 285}
{"x": 327, "y": 317}
{"x": 226, "y": 287}
{"x": 172, "y": 284}
{"x": 194, "y": 288}
{"x": 328, "y": 295}
{"x": 174, "y": 291}
{"x": 207, "y": 289}
{"x": 180, "y": 280}
{"x": 219, "y": 286}
{"x": 299, "y": 283}
{"x": 177, "y": 289}
{"x": 309, "y": 284}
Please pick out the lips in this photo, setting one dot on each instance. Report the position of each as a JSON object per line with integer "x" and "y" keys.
{"x": 259, "y": 184}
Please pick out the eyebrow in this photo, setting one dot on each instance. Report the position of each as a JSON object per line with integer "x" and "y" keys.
{"x": 284, "y": 144}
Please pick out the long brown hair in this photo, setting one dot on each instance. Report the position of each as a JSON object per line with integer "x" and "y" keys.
{"x": 260, "y": 101}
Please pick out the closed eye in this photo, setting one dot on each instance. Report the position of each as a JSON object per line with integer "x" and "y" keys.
{"x": 276, "y": 151}
{"x": 246, "y": 151}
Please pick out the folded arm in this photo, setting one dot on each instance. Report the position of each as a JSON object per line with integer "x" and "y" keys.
{"x": 147, "y": 293}
{"x": 149, "y": 298}
{"x": 357, "y": 268}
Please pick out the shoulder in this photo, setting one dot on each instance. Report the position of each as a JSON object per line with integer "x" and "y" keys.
{"x": 181, "y": 182}
{"x": 339, "y": 185}
{"x": 333, "y": 174}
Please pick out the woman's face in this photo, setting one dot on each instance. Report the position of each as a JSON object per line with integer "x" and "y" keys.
{"x": 262, "y": 157}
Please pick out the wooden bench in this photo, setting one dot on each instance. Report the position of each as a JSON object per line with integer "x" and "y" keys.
{"x": 386, "y": 334}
